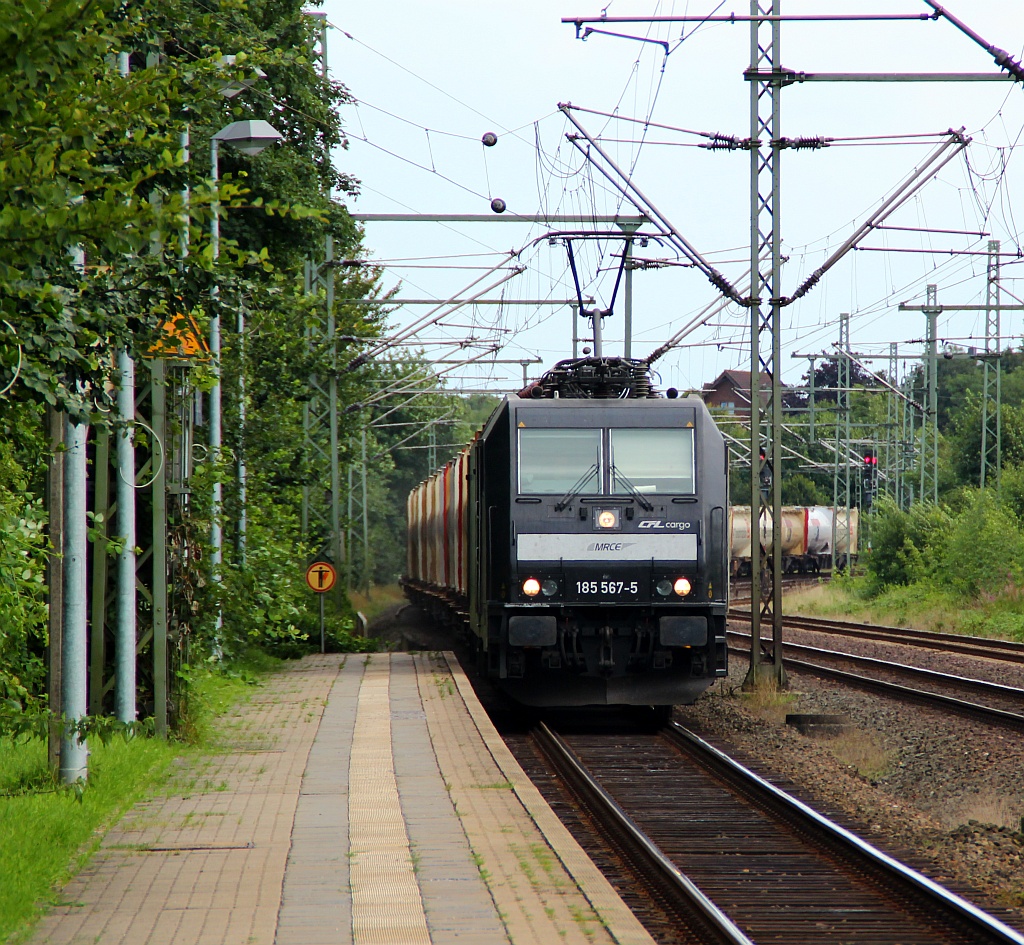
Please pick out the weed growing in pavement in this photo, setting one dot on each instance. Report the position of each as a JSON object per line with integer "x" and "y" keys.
{"x": 445, "y": 685}
{"x": 478, "y": 862}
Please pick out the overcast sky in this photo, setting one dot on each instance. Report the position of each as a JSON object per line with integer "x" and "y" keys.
{"x": 432, "y": 79}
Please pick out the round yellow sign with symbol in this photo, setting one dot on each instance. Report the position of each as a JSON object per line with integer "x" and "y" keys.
{"x": 321, "y": 576}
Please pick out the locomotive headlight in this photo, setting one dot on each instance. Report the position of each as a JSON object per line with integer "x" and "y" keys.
{"x": 549, "y": 588}
{"x": 531, "y": 587}
{"x": 682, "y": 586}
{"x": 608, "y": 518}
{"x": 663, "y": 587}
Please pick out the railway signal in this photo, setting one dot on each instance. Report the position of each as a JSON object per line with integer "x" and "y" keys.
{"x": 869, "y": 478}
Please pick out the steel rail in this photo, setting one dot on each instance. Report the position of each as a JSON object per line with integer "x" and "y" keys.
{"x": 982, "y": 686}
{"x": 571, "y": 770}
{"x": 1009, "y": 650}
{"x": 911, "y": 883}
{"x": 971, "y": 710}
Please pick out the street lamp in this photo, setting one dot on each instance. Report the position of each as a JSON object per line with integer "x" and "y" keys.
{"x": 249, "y": 137}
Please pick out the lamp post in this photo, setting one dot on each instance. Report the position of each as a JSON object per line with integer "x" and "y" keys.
{"x": 249, "y": 137}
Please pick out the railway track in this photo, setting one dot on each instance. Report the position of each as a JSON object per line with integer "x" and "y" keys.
{"x": 949, "y": 642}
{"x": 739, "y": 588}
{"x": 726, "y": 857}
{"x": 1001, "y": 705}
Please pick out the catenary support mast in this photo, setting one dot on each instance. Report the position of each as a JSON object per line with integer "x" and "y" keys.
{"x": 765, "y": 79}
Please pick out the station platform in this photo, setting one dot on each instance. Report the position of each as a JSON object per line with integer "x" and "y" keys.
{"x": 359, "y": 799}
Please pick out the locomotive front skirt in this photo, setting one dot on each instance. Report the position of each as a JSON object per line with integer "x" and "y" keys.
{"x": 583, "y": 545}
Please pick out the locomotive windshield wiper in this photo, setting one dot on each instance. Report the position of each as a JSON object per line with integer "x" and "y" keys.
{"x": 576, "y": 489}
{"x": 631, "y": 489}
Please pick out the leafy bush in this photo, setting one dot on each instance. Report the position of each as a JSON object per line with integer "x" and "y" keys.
{"x": 23, "y": 628}
{"x": 976, "y": 550}
{"x": 1012, "y": 489}
{"x": 904, "y": 545}
{"x": 984, "y": 551}
{"x": 265, "y": 601}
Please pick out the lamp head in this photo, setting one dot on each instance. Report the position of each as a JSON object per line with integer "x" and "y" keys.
{"x": 232, "y": 88}
{"x": 249, "y": 137}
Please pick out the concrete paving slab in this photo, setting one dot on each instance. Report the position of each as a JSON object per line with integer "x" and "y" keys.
{"x": 360, "y": 800}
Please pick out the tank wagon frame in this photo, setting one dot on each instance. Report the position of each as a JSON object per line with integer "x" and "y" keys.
{"x": 582, "y": 544}
{"x": 807, "y": 536}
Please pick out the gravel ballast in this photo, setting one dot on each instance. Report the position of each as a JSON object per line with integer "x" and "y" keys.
{"x": 940, "y": 792}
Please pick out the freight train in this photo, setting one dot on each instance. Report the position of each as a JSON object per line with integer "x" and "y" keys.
{"x": 581, "y": 541}
{"x": 808, "y": 534}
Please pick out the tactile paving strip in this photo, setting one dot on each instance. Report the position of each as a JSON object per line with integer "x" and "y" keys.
{"x": 386, "y": 903}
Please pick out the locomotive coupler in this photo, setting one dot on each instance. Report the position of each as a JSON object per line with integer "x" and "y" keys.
{"x": 569, "y": 641}
{"x": 606, "y": 658}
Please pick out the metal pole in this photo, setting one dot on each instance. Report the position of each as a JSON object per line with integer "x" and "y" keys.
{"x": 366, "y": 524}
{"x": 810, "y": 398}
{"x": 627, "y": 310}
{"x": 348, "y": 533}
{"x": 55, "y": 583}
{"x": 755, "y": 365}
{"x": 779, "y": 672}
{"x": 992, "y": 394}
{"x": 74, "y": 754}
{"x": 158, "y": 397}
{"x": 909, "y": 438}
{"x": 307, "y": 414}
{"x": 337, "y": 539}
{"x": 243, "y": 513}
{"x": 846, "y": 384}
{"x": 323, "y": 646}
{"x": 216, "y": 534}
{"x": 100, "y": 565}
{"x": 892, "y": 436}
{"x": 929, "y": 426}
{"x": 765, "y": 78}
{"x": 125, "y": 631}
{"x": 598, "y": 340}
{"x": 575, "y": 328}
{"x": 124, "y": 647}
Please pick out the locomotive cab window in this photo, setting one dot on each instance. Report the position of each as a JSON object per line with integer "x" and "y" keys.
{"x": 555, "y": 461}
{"x": 652, "y": 461}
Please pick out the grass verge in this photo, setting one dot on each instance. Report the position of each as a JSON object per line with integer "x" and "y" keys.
{"x": 380, "y": 599}
{"x": 922, "y": 606}
{"x": 48, "y": 833}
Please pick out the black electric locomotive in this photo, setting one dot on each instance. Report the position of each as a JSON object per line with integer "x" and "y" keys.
{"x": 582, "y": 540}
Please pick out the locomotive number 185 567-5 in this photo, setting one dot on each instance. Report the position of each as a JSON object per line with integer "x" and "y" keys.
{"x": 607, "y": 588}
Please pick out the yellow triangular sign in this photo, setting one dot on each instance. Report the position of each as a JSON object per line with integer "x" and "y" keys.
{"x": 180, "y": 337}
